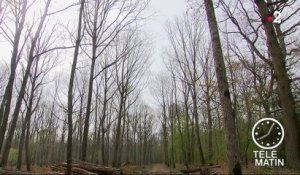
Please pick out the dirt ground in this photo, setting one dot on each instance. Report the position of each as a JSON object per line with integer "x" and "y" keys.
{"x": 154, "y": 169}
{"x": 162, "y": 169}
{"x": 159, "y": 169}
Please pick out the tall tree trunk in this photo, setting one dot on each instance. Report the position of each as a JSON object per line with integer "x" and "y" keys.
{"x": 172, "y": 132}
{"x": 7, "y": 145}
{"x": 120, "y": 152}
{"x": 20, "y": 149}
{"x": 97, "y": 158}
{"x": 165, "y": 134}
{"x": 118, "y": 131}
{"x": 103, "y": 119}
{"x": 209, "y": 117}
{"x": 233, "y": 157}
{"x": 183, "y": 148}
{"x": 195, "y": 116}
{"x": 80, "y": 126}
{"x": 292, "y": 138}
{"x": 177, "y": 114}
{"x": 70, "y": 90}
{"x": 6, "y": 101}
{"x": 128, "y": 151}
{"x": 108, "y": 144}
{"x": 27, "y": 117}
{"x": 89, "y": 105}
{"x": 189, "y": 147}
{"x": 27, "y": 151}
{"x": 96, "y": 136}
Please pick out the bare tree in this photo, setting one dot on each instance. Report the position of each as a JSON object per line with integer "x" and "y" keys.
{"x": 277, "y": 50}
{"x": 279, "y": 39}
{"x": 129, "y": 72}
{"x": 109, "y": 91}
{"x": 185, "y": 36}
{"x": 3, "y": 6}
{"x": 234, "y": 165}
{"x": 31, "y": 57}
{"x": 178, "y": 111}
{"x": 161, "y": 90}
{"x": 19, "y": 15}
{"x": 102, "y": 32}
{"x": 3, "y": 78}
{"x": 70, "y": 90}
{"x": 41, "y": 67}
{"x": 209, "y": 88}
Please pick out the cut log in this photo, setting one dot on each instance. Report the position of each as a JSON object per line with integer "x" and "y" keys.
{"x": 10, "y": 172}
{"x": 84, "y": 168}
{"x": 57, "y": 168}
{"x": 75, "y": 170}
{"x": 82, "y": 171}
{"x": 97, "y": 169}
{"x": 204, "y": 170}
{"x": 84, "y": 163}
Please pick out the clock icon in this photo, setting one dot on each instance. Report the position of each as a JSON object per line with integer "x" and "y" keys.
{"x": 267, "y": 133}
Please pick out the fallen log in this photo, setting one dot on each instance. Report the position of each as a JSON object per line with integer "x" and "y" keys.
{"x": 75, "y": 170}
{"x": 85, "y": 163}
{"x": 97, "y": 169}
{"x": 57, "y": 168}
{"x": 10, "y": 172}
{"x": 204, "y": 170}
{"x": 82, "y": 171}
{"x": 84, "y": 168}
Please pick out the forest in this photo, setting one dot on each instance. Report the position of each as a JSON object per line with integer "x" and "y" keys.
{"x": 81, "y": 92}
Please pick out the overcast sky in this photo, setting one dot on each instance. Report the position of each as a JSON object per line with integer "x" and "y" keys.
{"x": 154, "y": 27}
{"x": 164, "y": 10}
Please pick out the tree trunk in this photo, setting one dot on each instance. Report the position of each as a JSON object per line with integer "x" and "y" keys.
{"x": 195, "y": 116}
{"x": 127, "y": 141}
{"x": 103, "y": 119}
{"x": 27, "y": 151}
{"x": 6, "y": 101}
{"x": 122, "y": 136}
{"x": 70, "y": 90}
{"x": 118, "y": 131}
{"x": 209, "y": 117}
{"x": 88, "y": 109}
{"x": 7, "y": 145}
{"x": 189, "y": 147}
{"x": 27, "y": 117}
{"x": 165, "y": 135}
{"x": 233, "y": 157}
{"x": 292, "y": 139}
{"x": 172, "y": 116}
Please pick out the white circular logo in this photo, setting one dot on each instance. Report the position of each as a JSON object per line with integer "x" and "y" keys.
{"x": 267, "y": 133}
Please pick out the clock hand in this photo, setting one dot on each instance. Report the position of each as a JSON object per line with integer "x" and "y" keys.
{"x": 266, "y": 135}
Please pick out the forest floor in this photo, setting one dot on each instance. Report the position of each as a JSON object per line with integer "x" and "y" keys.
{"x": 154, "y": 169}
{"x": 161, "y": 169}
{"x": 251, "y": 169}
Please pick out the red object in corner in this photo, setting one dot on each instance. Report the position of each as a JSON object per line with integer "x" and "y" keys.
{"x": 270, "y": 18}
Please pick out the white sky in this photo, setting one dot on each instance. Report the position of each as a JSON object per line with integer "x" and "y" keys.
{"x": 155, "y": 27}
{"x": 164, "y": 10}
